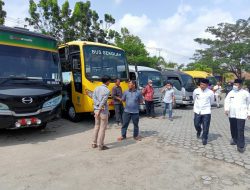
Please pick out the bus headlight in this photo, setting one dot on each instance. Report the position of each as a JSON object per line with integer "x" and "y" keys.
{"x": 89, "y": 93}
{"x": 3, "y": 107}
{"x": 53, "y": 102}
{"x": 186, "y": 98}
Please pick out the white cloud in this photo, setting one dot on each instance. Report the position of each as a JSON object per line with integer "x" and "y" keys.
{"x": 16, "y": 12}
{"x": 118, "y": 1}
{"x": 175, "y": 35}
{"x": 135, "y": 24}
{"x": 182, "y": 9}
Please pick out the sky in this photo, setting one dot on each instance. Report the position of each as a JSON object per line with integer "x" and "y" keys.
{"x": 166, "y": 27}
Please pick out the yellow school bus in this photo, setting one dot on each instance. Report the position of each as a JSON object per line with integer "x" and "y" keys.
{"x": 83, "y": 65}
{"x": 199, "y": 75}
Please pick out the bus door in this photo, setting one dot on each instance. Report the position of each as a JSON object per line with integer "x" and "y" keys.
{"x": 77, "y": 91}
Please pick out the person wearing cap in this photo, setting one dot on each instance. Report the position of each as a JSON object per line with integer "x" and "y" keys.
{"x": 237, "y": 108}
{"x": 168, "y": 99}
{"x": 132, "y": 98}
{"x": 203, "y": 99}
{"x": 148, "y": 93}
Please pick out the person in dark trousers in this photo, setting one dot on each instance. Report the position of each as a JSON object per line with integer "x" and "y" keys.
{"x": 132, "y": 98}
{"x": 237, "y": 107}
{"x": 117, "y": 97}
{"x": 148, "y": 93}
{"x": 203, "y": 99}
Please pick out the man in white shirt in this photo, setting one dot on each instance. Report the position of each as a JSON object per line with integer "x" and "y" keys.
{"x": 217, "y": 93}
{"x": 203, "y": 99}
{"x": 168, "y": 100}
{"x": 237, "y": 107}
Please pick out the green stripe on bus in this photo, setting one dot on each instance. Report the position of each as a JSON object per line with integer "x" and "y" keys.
{"x": 20, "y": 39}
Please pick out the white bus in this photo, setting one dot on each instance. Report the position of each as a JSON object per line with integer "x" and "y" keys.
{"x": 183, "y": 85}
{"x": 142, "y": 74}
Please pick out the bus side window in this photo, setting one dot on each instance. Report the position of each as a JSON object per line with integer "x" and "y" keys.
{"x": 177, "y": 84}
{"x": 132, "y": 76}
{"x": 77, "y": 73}
{"x": 66, "y": 67}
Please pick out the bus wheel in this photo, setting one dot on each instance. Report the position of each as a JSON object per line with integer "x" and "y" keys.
{"x": 183, "y": 105}
{"x": 73, "y": 116}
{"x": 42, "y": 126}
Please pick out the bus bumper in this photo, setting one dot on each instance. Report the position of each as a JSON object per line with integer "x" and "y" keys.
{"x": 11, "y": 122}
{"x": 186, "y": 102}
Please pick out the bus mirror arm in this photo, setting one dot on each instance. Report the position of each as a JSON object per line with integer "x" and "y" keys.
{"x": 67, "y": 53}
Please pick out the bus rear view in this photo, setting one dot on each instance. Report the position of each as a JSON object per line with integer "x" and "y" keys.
{"x": 30, "y": 90}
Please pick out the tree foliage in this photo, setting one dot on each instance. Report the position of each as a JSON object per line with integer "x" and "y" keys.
{"x": 135, "y": 49}
{"x": 81, "y": 23}
{"x": 2, "y": 13}
{"x": 229, "y": 51}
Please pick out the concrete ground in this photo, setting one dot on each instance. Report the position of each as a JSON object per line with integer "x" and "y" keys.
{"x": 168, "y": 157}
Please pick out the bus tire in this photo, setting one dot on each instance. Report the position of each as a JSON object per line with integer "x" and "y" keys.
{"x": 72, "y": 115}
{"x": 184, "y": 105}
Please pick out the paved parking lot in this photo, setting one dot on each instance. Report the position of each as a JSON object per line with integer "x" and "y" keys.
{"x": 168, "y": 157}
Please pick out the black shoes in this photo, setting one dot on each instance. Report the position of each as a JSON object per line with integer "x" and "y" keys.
{"x": 198, "y": 134}
{"x": 103, "y": 147}
{"x": 204, "y": 141}
{"x": 241, "y": 150}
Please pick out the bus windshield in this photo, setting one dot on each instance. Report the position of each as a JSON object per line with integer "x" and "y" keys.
{"x": 100, "y": 61}
{"x": 212, "y": 80}
{"x": 188, "y": 82}
{"x": 28, "y": 63}
{"x": 155, "y": 76}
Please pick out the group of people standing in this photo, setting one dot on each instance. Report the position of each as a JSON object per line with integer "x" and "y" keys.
{"x": 132, "y": 97}
{"x": 237, "y": 108}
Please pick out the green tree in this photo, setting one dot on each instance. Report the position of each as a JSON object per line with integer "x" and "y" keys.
{"x": 81, "y": 23}
{"x": 2, "y": 13}
{"x": 45, "y": 17}
{"x": 68, "y": 32}
{"x": 229, "y": 51}
{"x": 135, "y": 49}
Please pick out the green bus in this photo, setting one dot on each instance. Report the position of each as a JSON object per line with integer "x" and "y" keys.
{"x": 30, "y": 79}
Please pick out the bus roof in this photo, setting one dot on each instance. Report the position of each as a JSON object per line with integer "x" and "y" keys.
{"x": 141, "y": 68}
{"x": 81, "y": 43}
{"x": 25, "y": 32}
{"x": 18, "y": 37}
{"x": 198, "y": 74}
{"x": 173, "y": 73}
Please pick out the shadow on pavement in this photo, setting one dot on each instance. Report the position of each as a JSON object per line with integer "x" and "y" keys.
{"x": 184, "y": 108}
{"x": 129, "y": 140}
{"x": 54, "y": 130}
{"x": 213, "y": 137}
